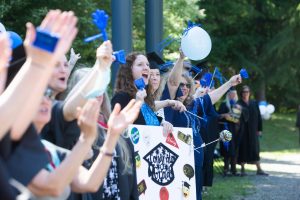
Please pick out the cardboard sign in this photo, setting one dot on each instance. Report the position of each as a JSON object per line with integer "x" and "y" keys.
{"x": 165, "y": 165}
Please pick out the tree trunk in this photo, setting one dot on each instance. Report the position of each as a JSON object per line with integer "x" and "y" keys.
{"x": 260, "y": 94}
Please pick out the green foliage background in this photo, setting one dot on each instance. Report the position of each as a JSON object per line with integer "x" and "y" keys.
{"x": 259, "y": 35}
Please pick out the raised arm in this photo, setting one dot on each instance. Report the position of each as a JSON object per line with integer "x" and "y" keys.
{"x": 96, "y": 77}
{"x": 90, "y": 180}
{"x": 216, "y": 94}
{"x": 53, "y": 183}
{"x": 4, "y": 58}
{"x": 20, "y": 101}
{"x": 174, "y": 77}
{"x": 176, "y": 105}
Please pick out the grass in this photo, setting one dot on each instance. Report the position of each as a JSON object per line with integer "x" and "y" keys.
{"x": 279, "y": 137}
{"x": 280, "y": 134}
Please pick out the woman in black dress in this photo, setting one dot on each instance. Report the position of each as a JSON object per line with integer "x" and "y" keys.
{"x": 250, "y": 130}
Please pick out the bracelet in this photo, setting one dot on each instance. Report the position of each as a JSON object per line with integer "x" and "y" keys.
{"x": 106, "y": 153}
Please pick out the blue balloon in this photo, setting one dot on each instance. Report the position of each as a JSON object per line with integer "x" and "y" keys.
{"x": 16, "y": 40}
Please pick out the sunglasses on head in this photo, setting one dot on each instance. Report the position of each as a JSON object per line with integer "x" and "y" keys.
{"x": 188, "y": 85}
{"x": 49, "y": 94}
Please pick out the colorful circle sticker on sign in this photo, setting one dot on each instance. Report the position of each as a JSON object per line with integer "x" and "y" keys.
{"x": 188, "y": 171}
{"x": 164, "y": 194}
{"x": 135, "y": 135}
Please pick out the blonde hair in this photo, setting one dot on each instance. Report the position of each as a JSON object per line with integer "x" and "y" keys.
{"x": 106, "y": 111}
{"x": 227, "y": 99}
{"x": 162, "y": 84}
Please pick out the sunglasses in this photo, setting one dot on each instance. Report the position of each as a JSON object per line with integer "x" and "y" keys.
{"x": 246, "y": 91}
{"x": 188, "y": 85}
{"x": 49, "y": 94}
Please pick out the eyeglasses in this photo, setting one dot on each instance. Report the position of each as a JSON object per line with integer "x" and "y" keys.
{"x": 245, "y": 91}
{"x": 49, "y": 94}
{"x": 188, "y": 85}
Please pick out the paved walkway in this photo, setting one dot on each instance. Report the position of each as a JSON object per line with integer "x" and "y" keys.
{"x": 283, "y": 182}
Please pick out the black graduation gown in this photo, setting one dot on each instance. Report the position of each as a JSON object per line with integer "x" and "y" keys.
{"x": 232, "y": 147}
{"x": 209, "y": 136}
{"x": 169, "y": 111}
{"x": 123, "y": 99}
{"x": 250, "y": 124}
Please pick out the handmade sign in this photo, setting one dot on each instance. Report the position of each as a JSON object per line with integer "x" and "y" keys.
{"x": 164, "y": 165}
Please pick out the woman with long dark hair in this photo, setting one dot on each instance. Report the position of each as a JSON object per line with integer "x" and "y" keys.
{"x": 137, "y": 67}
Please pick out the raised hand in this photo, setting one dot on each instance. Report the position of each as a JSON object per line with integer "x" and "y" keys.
{"x": 181, "y": 54}
{"x": 235, "y": 80}
{"x": 73, "y": 59}
{"x": 141, "y": 95}
{"x": 104, "y": 54}
{"x": 62, "y": 24}
{"x": 120, "y": 119}
{"x": 87, "y": 119}
{"x": 177, "y": 105}
{"x": 5, "y": 51}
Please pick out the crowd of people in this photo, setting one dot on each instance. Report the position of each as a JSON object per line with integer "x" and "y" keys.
{"x": 64, "y": 139}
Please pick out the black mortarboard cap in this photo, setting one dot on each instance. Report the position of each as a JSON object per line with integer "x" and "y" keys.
{"x": 155, "y": 60}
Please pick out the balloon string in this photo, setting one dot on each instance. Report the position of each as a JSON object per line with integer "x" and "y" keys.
{"x": 212, "y": 78}
{"x": 195, "y": 115}
{"x": 196, "y": 75}
{"x": 204, "y": 145}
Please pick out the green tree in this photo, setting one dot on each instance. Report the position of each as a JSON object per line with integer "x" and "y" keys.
{"x": 15, "y": 14}
{"x": 259, "y": 35}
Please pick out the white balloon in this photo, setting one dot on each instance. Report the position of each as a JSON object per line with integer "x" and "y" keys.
{"x": 196, "y": 43}
{"x": 262, "y": 109}
{"x": 270, "y": 108}
{"x": 266, "y": 116}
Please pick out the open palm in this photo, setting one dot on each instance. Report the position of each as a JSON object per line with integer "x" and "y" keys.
{"x": 87, "y": 119}
{"x": 120, "y": 119}
{"x": 62, "y": 24}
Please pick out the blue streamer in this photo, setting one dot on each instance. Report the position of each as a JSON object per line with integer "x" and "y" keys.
{"x": 166, "y": 42}
{"x": 149, "y": 115}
